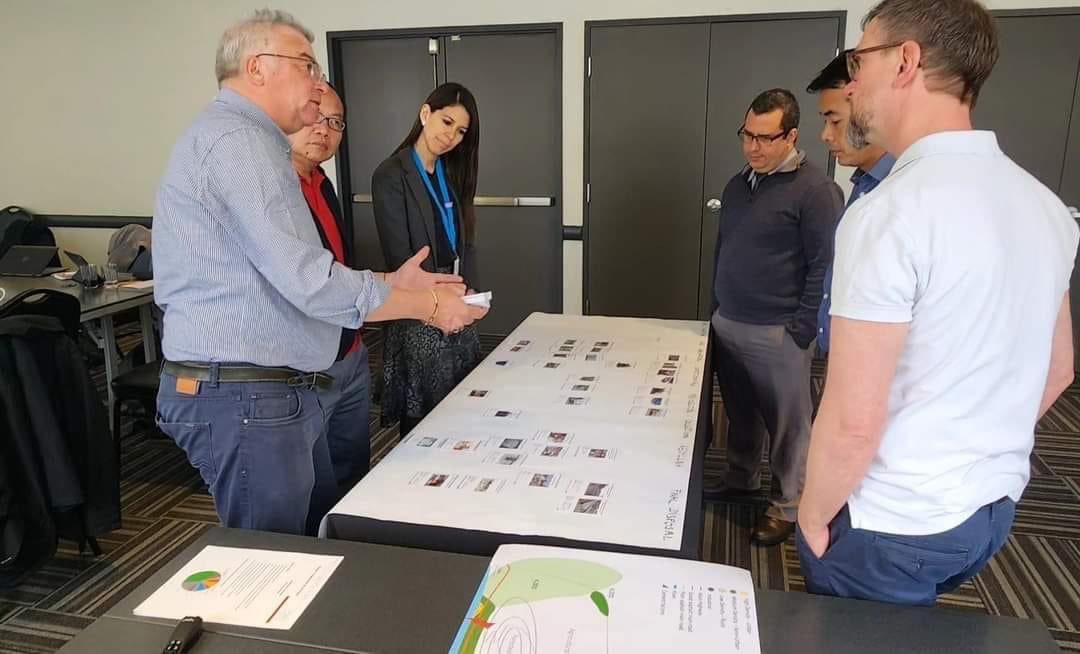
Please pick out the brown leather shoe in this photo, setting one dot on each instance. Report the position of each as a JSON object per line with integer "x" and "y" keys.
{"x": 771, "y": 531}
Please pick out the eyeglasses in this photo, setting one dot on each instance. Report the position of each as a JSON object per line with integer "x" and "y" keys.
{"x": 761, "y": 139}
{"x": 312, "y": 67}
{"x": 333, "y": 122}
{"x": 851, "y": 57}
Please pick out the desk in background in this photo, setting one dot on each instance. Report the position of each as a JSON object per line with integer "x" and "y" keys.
{"x": 97, "y": 308}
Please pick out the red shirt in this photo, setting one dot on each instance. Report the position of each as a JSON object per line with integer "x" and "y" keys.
{"x": 312, "y": 189}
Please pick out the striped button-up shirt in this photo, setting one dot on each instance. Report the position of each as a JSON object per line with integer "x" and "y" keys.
{"x": 239, "y": 268}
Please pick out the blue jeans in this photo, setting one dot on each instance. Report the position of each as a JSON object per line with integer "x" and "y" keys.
{"x": 260, "y": 448}
{"x": 904, "y": 569}
{"x": 347, "y": 415}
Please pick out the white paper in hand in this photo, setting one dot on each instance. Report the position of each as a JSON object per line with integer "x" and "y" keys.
{"x": 479, "y": 299}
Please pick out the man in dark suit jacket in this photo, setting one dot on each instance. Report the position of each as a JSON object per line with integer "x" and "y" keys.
{"x": 775, "y": 241}
{"x": 346, "y": 403}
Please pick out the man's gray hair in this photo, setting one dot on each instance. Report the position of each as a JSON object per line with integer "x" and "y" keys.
{"x": 250, "y": 36}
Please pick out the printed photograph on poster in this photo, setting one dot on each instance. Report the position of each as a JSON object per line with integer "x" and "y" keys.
{"x": 548, "y": 365}
{"x": 593, "y": 358}
{"x": 648, "y": 412}
{"x": 561, "y": 355}
{"x": 552, "y": 451}
{"x": 570, "y": 341}
{"x": 557, "y": 437}
{"x": 621, "y": 365}
{"x": 478, "y": 393}
{"x": 596, "y": 453}
{"x": 539, "y": 480}
{"x": 507, "y": 459}
{"x": 489, "y": 485}
{"x": 653, "y": 390}
{"x": 575, "y": 400}
{"x": 654, "y": 401}
{"x": 674, "y": 357}
{"x": 503, "y": 413}
{"x": 602, "y": 344}
{"x": 588, "y": 379}
{"x": 510, "y": 443}
{"x": 585, "y": 506}
{"x": 599, "y": 489}
{"x": 436, "y": 481}
{"x": 462, "y": 446}
{"x": 426, "y": 441}
{"x": 578, "y": 387}
{"x": 501, "y": 363}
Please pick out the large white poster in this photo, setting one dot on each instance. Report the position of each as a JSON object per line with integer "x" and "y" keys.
{"x": 549, "y": 600}
{"x": 575, "y": 427}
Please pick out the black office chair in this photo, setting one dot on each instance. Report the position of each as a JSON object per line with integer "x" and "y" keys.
{"x": 139, "y": 384}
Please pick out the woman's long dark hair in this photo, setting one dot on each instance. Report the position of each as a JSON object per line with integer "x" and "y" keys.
{"x": 462, "y": 162}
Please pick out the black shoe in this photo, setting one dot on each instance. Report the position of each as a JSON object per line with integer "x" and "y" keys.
{"x": 771, "y": 531}
{"x": 725, "y": 493}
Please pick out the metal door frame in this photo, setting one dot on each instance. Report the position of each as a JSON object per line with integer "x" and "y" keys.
{"x": 335, "y": 39}
{"x": 639, "y": 22}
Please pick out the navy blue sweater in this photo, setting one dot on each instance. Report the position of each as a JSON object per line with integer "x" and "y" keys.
{"x": 773, "y": 247}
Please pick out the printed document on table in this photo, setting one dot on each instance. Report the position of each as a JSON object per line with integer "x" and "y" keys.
{"x": 244, "y": 587}
{"x": 577, "y": 427}
{"x": 549, "y": 600}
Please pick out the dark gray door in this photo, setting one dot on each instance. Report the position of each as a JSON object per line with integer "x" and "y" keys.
{"x": 515, "y": 76}
{"x": 646, "y": 144}
{"x": 1070, "y": 175}
{"x": 1028, "y": 98}
{"x": 385, "y": 81}
{"x": 516, "y": 80}
{"x": 663, "y": 104}
{"x": 787, "y": 53}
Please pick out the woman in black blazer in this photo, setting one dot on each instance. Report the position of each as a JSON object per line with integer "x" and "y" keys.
{"x": 423, "y": 195}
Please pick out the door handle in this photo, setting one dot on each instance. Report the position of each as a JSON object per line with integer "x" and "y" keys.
{"x": 713, "y": 205}
{"x": 485, "y": 200}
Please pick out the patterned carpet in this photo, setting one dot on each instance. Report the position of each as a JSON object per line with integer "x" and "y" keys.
{"x": 165, "y": 508}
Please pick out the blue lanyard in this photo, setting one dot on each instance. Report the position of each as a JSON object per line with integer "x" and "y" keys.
{"x": 443, "y": 200}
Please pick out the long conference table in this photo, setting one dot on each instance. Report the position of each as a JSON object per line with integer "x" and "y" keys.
{"x": 394, "y": 600}
{"x": 583, "y": 432}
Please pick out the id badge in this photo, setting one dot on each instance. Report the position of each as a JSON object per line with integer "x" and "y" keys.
{"x": 457, "y": 266}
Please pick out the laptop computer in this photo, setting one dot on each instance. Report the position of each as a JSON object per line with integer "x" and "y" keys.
{"x": 27, "y": 260}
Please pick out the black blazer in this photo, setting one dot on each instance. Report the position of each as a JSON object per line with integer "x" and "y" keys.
{"x": 405, "y": 218}
{"x": 327, "y": 189}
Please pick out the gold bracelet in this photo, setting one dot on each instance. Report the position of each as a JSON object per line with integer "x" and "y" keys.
{"x": 435, "y": 311}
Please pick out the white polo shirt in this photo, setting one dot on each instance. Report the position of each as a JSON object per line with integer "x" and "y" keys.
{"x": 976, "y": 255}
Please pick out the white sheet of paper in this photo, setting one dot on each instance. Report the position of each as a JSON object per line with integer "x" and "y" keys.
{"x": 244, "y": 587}
{"x": 551, "y": 600}
{"x": 595, "y": 448}
{"x": 138, "y": 285}
{"x": 479, "y": 299}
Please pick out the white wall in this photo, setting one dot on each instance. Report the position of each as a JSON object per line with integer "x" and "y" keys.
{"x": 95, "y": 92}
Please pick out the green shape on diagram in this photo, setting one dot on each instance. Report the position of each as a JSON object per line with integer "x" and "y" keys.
{"x": 601, "y": 602}
{"x": 535, "y": 580}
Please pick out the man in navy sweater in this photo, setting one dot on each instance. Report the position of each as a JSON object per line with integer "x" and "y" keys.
{"x": 775, "y": 242}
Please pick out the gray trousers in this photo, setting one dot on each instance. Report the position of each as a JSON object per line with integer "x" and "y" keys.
{"x": 765, "y": 384}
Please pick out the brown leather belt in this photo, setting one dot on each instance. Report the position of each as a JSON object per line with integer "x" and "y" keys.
{"x": 234, "y": 374}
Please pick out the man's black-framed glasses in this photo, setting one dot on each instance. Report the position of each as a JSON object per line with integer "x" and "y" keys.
{"x": 851, "y": 57}
{"x": 333, "y": 122}
{"x": 761, "y": 139}
{"x": 312, "y": 67}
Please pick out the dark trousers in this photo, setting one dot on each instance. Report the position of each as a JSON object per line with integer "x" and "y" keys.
{"x": 260, "y": 447}
{"x": 904, "y": 569}
{"x": 347, "y": 413}
{"x": 764, "y": 380}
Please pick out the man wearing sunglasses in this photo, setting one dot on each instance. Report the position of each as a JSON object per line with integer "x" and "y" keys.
{"x": 951, "y": 331}
{"x": 775, "y": 240}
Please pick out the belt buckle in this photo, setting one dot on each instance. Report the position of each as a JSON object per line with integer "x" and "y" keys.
{"x": 301, "y": 381}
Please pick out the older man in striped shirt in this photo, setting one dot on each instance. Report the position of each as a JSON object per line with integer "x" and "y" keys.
{"x": 254, "y": 304}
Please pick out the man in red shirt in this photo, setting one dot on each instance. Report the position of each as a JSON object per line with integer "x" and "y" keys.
{"x": 346, "y": 403}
